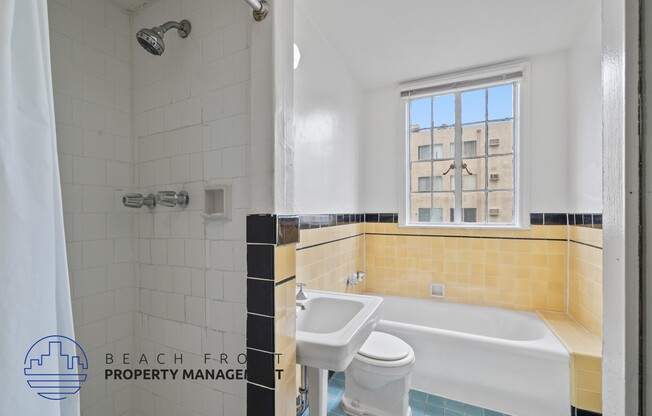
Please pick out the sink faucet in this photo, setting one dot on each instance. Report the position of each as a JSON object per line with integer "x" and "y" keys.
{"x": 300, "y": 294}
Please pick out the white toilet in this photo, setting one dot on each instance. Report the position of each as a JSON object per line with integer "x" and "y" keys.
{"x": 378, "y": 379}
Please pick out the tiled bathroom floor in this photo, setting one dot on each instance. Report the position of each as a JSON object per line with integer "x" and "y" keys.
{"x": 422, "y": 404}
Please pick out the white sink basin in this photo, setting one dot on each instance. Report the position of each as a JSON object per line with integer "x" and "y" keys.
{"x": 333, "y": 327}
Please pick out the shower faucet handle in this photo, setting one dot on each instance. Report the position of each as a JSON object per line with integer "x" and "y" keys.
{"x": 133, "y": 200}
{"x": 172, "y": 199}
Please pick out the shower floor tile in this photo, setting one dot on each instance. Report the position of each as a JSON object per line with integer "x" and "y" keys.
{"x": 423, "y": 404}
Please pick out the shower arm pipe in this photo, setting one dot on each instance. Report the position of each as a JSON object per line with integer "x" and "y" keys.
{"x": 261, "y": 8}
{"x": 171, "y": 25}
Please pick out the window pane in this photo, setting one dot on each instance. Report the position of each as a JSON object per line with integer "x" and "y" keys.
{"x": 424, "y": 184}
{"x": 473, "y": 106}
{"x": 470, "y": 182}
{"x": 425, "y": 153}
{"x": 501, "y": 207}
{"x": 437, "y": 183}
{"x": 420, "y": 145}
{"x": 468, "y": 215}
{"x": 444, "y": 109}
{"x": 424, "y": 214}
{"x": 445, "y": 137}
{"x": 501, "y": 170}
{"x": 419, "y": 201}
{"x": 473, "y": 139}
{"x": 501, "y": 102}
{"x": 438, "y": 151}
{"x": 420, "y": 113}
{"x": 420, "y": 170}
{"x": 473, "y": 206}
{"x": 437, "y": 215}
{"x": 501, "y": 137}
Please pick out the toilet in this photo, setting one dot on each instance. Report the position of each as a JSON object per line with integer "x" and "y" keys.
{"x": 378, "y": 379}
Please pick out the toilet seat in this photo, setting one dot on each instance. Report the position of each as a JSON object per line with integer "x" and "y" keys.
{"x": 385, "y": 350}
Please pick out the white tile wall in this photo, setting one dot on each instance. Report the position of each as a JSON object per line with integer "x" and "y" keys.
{"x": 159, "y": 281}
{"x": 91, "y": 71}
{"x": 191, "y": 125}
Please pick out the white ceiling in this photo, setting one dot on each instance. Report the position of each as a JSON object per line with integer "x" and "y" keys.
{"x": 132, "y": 5}
{"x": 384, "y": 42}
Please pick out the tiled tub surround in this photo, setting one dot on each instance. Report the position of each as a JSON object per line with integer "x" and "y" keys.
{"x": 271, "y": 314}
{"x": 520, "y": 269}
{"x": 585, "y": 277}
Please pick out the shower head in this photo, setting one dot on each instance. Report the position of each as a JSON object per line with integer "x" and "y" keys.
{"x": 152, "y": 39}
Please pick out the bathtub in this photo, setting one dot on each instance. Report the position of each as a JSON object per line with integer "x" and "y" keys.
{"x": 498, "y": 359}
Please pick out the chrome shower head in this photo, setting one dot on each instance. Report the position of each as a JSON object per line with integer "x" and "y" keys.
{"x": 152, "y": 39}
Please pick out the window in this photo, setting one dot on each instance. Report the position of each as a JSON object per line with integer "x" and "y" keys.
{"x": 476, "y": 121}
{"x": 428, "y": 184}
{"x": 431, "y": 214}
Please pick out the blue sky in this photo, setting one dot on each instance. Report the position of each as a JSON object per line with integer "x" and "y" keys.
{"x": 500, "y": 106}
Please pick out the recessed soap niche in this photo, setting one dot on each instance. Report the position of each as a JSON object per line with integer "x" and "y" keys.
{"x": 217, "y": 201}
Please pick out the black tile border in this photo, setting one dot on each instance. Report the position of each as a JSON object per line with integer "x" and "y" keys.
{"x": 284, "y": 281}
{"x": 581, "y": 220}
{"x": 260, "y": 261}
{"x": 272, "y": 229}
{"x": 260, "y": 400}
{"x": 261, "y": 229}
{"x": 260, "y": 297}
{"x": 308, "y": 222}
{"x": 260, "y": 367}
{"x": 260, "y": 332}
{"x": 287, "y": 230}
{"x": 581, "y": 412}
{"x": 331, "y": 241}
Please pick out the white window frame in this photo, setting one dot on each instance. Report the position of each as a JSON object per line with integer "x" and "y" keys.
{"x": 521, "y": 143}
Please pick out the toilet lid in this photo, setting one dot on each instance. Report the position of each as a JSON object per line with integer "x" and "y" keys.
{"x": 384, "y": 347}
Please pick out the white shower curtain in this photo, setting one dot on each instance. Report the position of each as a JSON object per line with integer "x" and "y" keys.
{"x": 34, "y": 287}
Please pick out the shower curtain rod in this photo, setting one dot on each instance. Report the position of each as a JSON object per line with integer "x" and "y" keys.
{"x": 261, "y": 8}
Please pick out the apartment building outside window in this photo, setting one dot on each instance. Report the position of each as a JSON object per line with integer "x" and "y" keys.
{"x": 463, "y": 152}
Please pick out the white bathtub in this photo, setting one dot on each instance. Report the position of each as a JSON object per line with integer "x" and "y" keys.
{"x": 499, "y": 359}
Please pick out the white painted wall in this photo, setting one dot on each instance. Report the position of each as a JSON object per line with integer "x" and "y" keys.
{"x": 328, "y": 126}
{"x": 548, "y": 172}
{"x": 585, "y": 139}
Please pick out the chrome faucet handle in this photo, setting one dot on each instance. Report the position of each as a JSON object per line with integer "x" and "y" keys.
{"x": 134, "y": 200}
{"x": 300, "y": 294}
{"x": 172, "y": 199}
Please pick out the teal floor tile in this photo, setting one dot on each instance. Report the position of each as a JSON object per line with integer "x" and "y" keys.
{"x": 418, "y": 396}
{"x": 422, "y": 404}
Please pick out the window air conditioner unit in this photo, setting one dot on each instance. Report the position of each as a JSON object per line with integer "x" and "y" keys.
{"x": 494, "y": 212}
{"x": 494, "y": 142}
{"x": 493, "y": 176}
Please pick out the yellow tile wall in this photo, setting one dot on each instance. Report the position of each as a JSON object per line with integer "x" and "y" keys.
{"x": 326, "y": 256}
{"x": 585, "y": 358}
{"x": 585, "y": 278}
{"x": 285, "y": 329}
{"x": 525, "y": 269}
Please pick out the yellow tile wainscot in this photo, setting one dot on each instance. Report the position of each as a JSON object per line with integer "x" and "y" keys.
{"x": 585, "y": 360}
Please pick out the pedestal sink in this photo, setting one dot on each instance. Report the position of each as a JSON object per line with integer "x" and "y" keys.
{"x": 330, "y": 331}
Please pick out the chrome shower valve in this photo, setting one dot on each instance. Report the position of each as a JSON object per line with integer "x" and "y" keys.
{"x": 172, "y": 199}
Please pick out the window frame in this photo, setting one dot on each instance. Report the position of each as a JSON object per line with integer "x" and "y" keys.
{"x": 521, "y": 218}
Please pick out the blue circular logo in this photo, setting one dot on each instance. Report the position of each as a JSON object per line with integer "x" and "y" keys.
{"x": 55, "y": 366}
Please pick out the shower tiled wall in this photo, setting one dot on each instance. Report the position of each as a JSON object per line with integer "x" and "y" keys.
{"x": 191, "y": 127}
{"x": 91, "y": 73}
